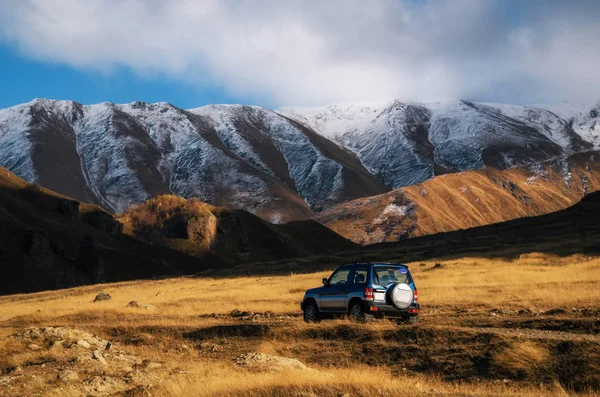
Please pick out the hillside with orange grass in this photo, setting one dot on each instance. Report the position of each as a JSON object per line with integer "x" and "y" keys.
{"x": 467, "y": 199}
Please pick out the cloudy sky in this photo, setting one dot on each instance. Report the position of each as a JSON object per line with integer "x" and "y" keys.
{"x": 306, "y": 53}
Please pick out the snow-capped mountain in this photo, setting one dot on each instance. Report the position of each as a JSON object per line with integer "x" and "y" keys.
{"x": 240, "y": 156}
{"x": 407, "y": 143}
{"x": 281, "y": 165}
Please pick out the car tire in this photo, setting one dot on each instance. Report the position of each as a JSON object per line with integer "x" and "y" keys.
{"x": 358, "y": 314}
{"x": 311, "y": 313}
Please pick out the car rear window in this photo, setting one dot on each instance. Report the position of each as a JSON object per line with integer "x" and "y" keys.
{"x": 384, "y": 275}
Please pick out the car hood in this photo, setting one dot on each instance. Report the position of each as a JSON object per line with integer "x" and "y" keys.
{"x": 312, "y": 291}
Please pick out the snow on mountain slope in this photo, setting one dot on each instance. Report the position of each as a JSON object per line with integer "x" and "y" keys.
{"x": 239, "y": 156}
{"x": 546, "y": 122}
{"x": 588, "y": 125}
{"x": 335, "y": 120}
{"x": 407, "y": 143}
{"x": 15, "y": 148}
{"x": 280, "y": 165}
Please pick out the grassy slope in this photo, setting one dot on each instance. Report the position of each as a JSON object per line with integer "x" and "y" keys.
{"x": 465, "y": 200}
{"x": 452, "y": 342}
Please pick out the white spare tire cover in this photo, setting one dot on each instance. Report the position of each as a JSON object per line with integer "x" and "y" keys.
{"x": 401, "y": 295}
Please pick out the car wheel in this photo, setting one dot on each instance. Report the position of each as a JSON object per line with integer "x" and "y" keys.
{"x": 311, "y": 313}
{"x": 358, "y": 314}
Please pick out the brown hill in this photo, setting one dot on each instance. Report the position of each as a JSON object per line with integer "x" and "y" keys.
{"x": 194, "y": 227}
{"x": 50, "y": 241}
{"x": 574, "y": 230}
{"x": 467, "y": 199}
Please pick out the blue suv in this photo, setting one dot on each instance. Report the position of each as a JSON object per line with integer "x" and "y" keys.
{"x": 364, "y": 291}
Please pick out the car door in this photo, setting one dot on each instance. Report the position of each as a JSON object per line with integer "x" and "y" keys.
{"x": 332, "y": 295}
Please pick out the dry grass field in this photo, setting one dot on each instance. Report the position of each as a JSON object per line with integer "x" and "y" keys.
{"x": 525, "y": 327}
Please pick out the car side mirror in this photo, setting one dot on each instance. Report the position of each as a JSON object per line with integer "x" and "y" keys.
{"x": 324, "y": 281}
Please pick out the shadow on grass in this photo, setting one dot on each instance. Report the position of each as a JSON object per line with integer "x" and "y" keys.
{"x": 223, "y": 331}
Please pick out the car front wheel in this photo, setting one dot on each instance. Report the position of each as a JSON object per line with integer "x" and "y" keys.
{"x": 311, "y": 313}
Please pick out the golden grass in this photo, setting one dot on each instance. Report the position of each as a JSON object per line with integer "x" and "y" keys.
{"x": 532, "y": 281}
{"x": 522, "y": 359}
{"x": 535, "y": 280}
{"x": 464, "y": 200}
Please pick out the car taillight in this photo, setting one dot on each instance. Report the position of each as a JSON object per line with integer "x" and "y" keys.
{"x": 368, "y": 293}
{"x": 416, "y": 298}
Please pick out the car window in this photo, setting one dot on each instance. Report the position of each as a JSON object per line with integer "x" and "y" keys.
{"x": 340, "y": 276}
{"x": 360, "y": 275}
{"x": 384, "y": 275}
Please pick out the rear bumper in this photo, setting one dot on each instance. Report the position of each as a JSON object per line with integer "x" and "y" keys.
{"x": 392, "y": 311}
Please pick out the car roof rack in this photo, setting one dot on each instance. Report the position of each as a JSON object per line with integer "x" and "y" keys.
{"x": 375, "y": 263}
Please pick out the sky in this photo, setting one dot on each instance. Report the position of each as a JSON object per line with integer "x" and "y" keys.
{"x": 277, "y": 53}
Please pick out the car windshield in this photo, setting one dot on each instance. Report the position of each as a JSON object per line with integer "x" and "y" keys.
{"x": 384, "y": 275}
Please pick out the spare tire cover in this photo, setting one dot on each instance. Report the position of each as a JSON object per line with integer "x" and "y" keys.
{"x": 401, "y": 295}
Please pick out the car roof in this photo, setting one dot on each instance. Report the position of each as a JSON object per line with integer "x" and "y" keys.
{"x": 377, "y": 264}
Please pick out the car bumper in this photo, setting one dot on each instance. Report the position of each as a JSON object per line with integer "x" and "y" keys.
{"x": 391, "y": 311}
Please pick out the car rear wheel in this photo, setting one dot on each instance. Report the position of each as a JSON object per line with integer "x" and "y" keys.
{"x": 358, "y": 314}
{"x": 311, "y": 313}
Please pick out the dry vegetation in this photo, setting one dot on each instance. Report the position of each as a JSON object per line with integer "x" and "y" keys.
{"x": 465, "y": 200}
{"x": 472, "y": 340}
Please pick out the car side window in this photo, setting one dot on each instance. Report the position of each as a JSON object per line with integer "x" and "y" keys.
{"x": 360, "y": 275}
{"x": 340, "y": 276}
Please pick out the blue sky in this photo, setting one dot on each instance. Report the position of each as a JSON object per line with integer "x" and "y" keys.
{"x": 276, "y": 53}
{"x": 23, "y": 79}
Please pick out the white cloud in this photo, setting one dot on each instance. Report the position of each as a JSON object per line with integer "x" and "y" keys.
{"x": 313, "y": 52}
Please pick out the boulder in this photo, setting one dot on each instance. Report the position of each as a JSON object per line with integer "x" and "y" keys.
{"x": 68, "y": 376}
{"x": 268, "y": 362}
{"x": 102, "y": 296}
{"x": 97, "y": 355}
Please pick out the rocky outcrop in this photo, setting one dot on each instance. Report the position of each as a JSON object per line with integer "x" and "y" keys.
{"x": 89, "y": 260}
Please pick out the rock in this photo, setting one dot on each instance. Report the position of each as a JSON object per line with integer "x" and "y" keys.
{"x": 89, "y": 259}
{"x": 83, "y": 344}
{"x": 59, "y": 344}
{"x": 60, "y": 335}
{"x": 133, "y": 304}
{"x": 96, "y": 355}
{"x": 39, "y": 248}
{"x": 237, "y": 313}
{"x": 17, "y": 371}
{"x": 102, "y": 296}
{"x": 102, "y": 221}
{"x": 268, "y": 362}
{"x": 524, "y": 312}
{"x": 68, "y": 376}
{"x": 34, "y": 347}
{"x": 146, "y": 306}
{"x": 159, "y": 293}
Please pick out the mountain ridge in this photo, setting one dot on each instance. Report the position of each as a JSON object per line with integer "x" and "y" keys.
{"x": 279, "y": 166}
